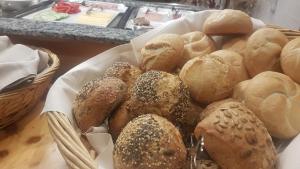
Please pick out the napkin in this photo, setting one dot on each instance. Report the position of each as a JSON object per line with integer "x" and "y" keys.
{"x": 19, "y": 63}
{"x": 64, "y": 90}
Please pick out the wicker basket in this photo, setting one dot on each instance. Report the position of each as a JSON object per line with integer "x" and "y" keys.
{"x": 16, "y": 103}
{"x": 70, "y": 146}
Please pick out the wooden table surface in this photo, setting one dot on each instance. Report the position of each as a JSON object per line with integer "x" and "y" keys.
{"x": 29, "y": 145}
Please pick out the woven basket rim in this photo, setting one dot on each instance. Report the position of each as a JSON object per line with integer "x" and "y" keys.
{"x": 41, "y": 77}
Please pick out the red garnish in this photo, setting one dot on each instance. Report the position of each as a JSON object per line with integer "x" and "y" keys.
{"x": 66, "y": 7}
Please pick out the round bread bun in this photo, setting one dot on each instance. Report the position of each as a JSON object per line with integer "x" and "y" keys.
{"x": 213, "y": 107}
{"x": 236, "y": 44}
{"x": 263, "y": 51}
{"x": 290, "y": 59}
{"x": 236, "y": 61}
{"x": 124, "y": 71}
{"x": 235, "y": 138}
{"x": 96, "y": 100}
{"x": 226, "y": 22}
{"x": 164, "y": 53}
{"x": 239, "y": 89}
{"x": 196, "y": 44}
{"x": 213, "y": 77}
{"x": 118, "y": 120}
{"x": 149, "y": 142}
{"x": 164, "y": 94}
{"x": 275, "y": 99}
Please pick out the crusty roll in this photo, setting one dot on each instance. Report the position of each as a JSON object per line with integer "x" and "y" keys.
{"x": 124, "y": 71}
{"x": 235, "y": 138}
{"x": 118, "y": 120}
{"x": 149, "y": 142}
{"x": 96, "y": 100}
{"x": 226, "y": 22}
{"x": 275, "y": 99}
{"x": 239, "y": 89}
{"x": 236, "y": 44}
{"x": 164, "y": 53}
{"x": 196, "y": 44}
{"x": 164, "y": 94}
{"x": 290, "y": 59}
{"x": 263, "y": 51}
{"x": 213, "y": 107}
{"x": 236, "y": 61}
{"x": 213, "y": 77}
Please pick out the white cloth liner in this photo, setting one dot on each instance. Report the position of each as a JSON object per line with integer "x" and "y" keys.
{"x": 18, "y": 62}
{"x": 63, "y": 91}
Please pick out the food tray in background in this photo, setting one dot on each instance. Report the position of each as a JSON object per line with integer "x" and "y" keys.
{"x": 91, "y": 13}
{"x": 153, "y": 17}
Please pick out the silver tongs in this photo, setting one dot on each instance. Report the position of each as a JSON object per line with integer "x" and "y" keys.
{"x": 196, "y": 150}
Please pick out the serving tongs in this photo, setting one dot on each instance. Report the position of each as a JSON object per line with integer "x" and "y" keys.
{"x": 196, "y": 151}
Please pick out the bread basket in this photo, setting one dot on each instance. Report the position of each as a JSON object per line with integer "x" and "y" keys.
{"x": 16, "y": 103}
{"x": 76, "y": 155}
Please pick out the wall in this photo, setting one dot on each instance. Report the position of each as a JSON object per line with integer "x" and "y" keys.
{"x": 285, "y": 13}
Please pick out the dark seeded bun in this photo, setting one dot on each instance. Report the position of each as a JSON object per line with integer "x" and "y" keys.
{"x": 124, "y": 71}
{"x": 96, "y": 100}
{"x": 149, "y": 142}
{"x": 164, "y": 94}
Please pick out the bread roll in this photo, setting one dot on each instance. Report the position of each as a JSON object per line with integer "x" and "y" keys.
{"x": 290, "y": 59}
{"x": 164, "y": 94}
{"x": 149, "y": 142}
{"x": 124, "y": 71}
{"x": 237, "y": 44}
{"x": 275, "y": 99}
{"x": 263, "y": 51}
{"x": 162, "y": 53}
{"x": 118, "y": 120}
{"x": 239, "y": 89}
{"x": 196, "y": 44}
{"x": 235, "y": 138}
{"x": 213, "y": 77}
{"x": 213, "y": 107}
{"x": 96, "y": 100}
{"x": 226, "y": 22}
{"x": 236, "y": 61}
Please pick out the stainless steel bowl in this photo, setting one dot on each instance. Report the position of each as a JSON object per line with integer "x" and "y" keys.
{"x": 15, "y": 5}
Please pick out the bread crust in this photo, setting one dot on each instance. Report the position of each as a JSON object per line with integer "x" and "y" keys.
{"x": 290, "y": 59}
{"x": 235, "y": 138}
{"x": 149, "y": 142}
{"x": 275, "y": 99}
{"x": 96, "y": 100}
{"x": 213, "y": 77}
{"x": 164, "y": 53}
{"x": 263, "y": 51}
{"x": 196, "y": 44}
{"x": 226, "y": 22}
{"x": 164, "y": 94}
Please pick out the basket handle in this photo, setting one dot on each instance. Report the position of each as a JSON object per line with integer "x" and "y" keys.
{"x": 68, "y": 142}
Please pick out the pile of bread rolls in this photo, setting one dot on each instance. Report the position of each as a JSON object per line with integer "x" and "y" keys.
{"x": 249, "y": 89}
